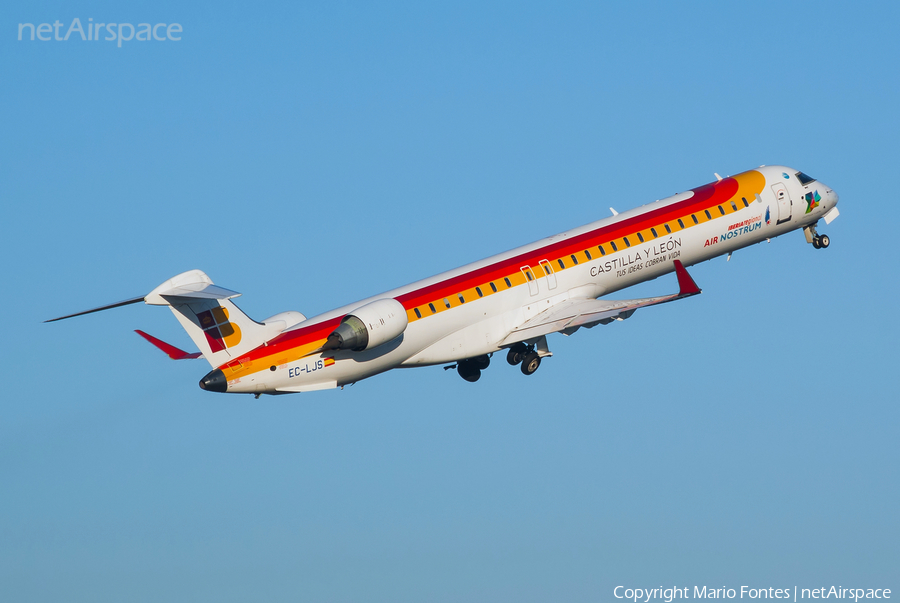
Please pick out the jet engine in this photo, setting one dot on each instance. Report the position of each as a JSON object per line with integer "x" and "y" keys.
{"x": 369, "y": 326}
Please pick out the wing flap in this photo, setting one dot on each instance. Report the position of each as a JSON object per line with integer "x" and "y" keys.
{"x": 573, "y": 313}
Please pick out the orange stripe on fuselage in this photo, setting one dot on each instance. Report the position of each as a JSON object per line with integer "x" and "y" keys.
{"x": 285, "y": 348}
{"x": 293, "y": 345}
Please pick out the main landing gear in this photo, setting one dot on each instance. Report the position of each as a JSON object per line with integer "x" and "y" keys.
{"x": 818, "y": 241}
{"x": 527, "y": 355}
{"x": 470, "y": 369}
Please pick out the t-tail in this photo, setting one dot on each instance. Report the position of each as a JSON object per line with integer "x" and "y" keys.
{"x": 217, "y": 326}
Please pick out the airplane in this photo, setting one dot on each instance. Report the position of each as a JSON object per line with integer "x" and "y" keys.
{"x": 508, "y": 302}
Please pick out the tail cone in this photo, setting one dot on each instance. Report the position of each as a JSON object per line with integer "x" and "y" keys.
{"x": 214, "y": 382}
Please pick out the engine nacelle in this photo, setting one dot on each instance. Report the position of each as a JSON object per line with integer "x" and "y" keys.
{"x": 369, "y": 326}
{"x": 283, "y": 320}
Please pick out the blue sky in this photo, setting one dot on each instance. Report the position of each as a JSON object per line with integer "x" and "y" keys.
{"x": 309, "y": 155}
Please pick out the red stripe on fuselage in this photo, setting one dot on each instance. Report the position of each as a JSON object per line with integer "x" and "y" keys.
{"x": 704, "y": 197}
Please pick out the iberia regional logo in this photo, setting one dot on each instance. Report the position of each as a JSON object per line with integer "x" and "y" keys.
{"x": 220, "y": 332}
{"x": 812, "y": 201}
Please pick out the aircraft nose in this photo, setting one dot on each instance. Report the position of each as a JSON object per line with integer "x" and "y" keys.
{"x": 214, "y": 381}
{"x": 831, "y": 198}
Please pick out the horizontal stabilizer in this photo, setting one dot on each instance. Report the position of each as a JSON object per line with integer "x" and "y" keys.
{"x": 200, "y": 291}
{"x": 173, "y": 352}
{"x": 572, "y": 313}
{"x": 189, "y": 285}
{"x": 186, "y": 286}
{"x": 115, "y": 305}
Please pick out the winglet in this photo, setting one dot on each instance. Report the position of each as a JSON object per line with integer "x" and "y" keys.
{"x": 173, "y": 352}
{"x": 686, "y": 285}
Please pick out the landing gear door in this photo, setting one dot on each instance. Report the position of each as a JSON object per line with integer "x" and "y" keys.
{"x": 783, "y": 199}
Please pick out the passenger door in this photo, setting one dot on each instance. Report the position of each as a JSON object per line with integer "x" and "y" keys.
{"x": 783, "y": 199}
{"x": 530, "y": 279}
{"x": 549, "y": 275}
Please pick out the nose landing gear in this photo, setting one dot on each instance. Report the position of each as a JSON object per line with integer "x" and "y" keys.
{"x": 818, "y": 241}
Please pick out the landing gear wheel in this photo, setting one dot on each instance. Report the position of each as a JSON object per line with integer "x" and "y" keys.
{"x": 824, "y": 241}
{"x": 481, "y": 362}
{"x": 472, "y": 377}
{"x": 530, "y": 363}
{"x": 816, "y": 244}
{"x": 468, "y": 372}
{"x": 516, "y": 354}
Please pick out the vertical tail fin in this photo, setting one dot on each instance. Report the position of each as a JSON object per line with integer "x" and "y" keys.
{"x": 217, "y": 326}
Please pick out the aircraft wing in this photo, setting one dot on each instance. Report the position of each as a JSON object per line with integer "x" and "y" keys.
{"x": 568, "y": 315}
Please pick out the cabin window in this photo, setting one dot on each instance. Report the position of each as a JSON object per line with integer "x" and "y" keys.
{"x": 418, "y": 314}
{"x": 506, "y": 280}
{"x": 431, "y": 307}
{"x": 640, "y": 237}
{"x": 528, "y": 275}
{"x": 653, "y": 232}
{"x": 587, "y": 254}
{"x": 462, "y": 299}
{"x": 574, "y": 259}
{"x": 562, "y": 265}
{"x": 680, "y": 223}
{"x": 744, "y": 199}
{"x": 493, "y": 287}
{"x": 478, "y": 291}
{"x": 602, "y": 251}
{"x": 446, "y": 302}
{"x": 627, "y": 243}
{"x": 613, "y": 245}
{"x": 668, "y": 230}
{"x": 694, "y": 218}
{"x": 546, "y": 268}
{"x": 734, "y": 206}
{"x": 721, "y": 211}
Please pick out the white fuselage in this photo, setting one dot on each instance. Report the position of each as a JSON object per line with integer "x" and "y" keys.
{"x": 482, "y": 325}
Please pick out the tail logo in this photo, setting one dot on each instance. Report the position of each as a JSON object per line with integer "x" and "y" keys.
{"x": 220, "y": 333}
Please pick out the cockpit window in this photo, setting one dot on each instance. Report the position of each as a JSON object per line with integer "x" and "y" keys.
{"x": 804, "y": 179}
